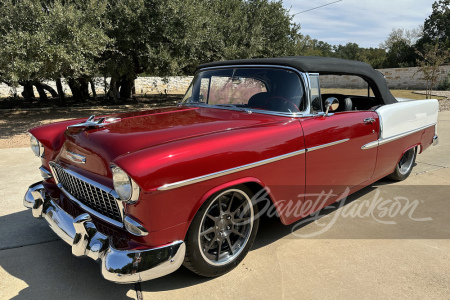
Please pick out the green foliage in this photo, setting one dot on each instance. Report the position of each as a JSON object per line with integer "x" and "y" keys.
{"x": 429, "y": 63}
{"x": 437, "y": 26}
{"x": 444, "y": 85}
{"x": 79, "y": 39}
{"x": 51, "y": 40}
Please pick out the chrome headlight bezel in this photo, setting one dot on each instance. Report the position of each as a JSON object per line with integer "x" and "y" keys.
{"x": 36, "y": 146}
{"x": 125, "y": 187}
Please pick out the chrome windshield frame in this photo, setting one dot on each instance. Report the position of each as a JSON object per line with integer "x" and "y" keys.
{"x": 304, "y": 77}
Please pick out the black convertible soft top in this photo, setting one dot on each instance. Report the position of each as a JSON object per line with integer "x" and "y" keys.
{"x": 321, "y": 65}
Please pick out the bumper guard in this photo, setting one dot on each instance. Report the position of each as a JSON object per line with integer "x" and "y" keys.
{"x": 120, "y": 266}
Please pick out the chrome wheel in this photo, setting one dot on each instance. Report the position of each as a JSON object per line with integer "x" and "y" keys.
{"x": 406, "y": 162}
{"x": 226, "y": 227}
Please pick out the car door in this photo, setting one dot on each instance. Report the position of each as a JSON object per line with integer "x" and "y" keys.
{"x": 335, "y": 159}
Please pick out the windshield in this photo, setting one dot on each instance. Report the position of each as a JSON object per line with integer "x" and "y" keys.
{"x": 269, "y": 89}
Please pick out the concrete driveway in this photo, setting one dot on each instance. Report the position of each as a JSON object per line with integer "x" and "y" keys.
{"x": 350, "y": 252}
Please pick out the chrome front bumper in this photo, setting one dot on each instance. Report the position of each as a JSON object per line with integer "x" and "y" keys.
{"x": 120, "y": 266}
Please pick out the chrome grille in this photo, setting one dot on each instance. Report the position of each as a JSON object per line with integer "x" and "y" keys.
{"x": 88, "y": 194}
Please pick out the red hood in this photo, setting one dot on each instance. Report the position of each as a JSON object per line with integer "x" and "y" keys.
{"x": 136, "y": 131}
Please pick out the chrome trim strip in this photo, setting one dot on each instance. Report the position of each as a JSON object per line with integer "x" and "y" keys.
{"x": 326, "y": 145}
{"x": 399, "y": 136}
{"x": 55, "y": 175}
{"x": 178, "y": 184}
{"x": 303, "y": 77}
{"x": 380, "y": 142}
{"x": 307, "y": 84}
{"x": 96, "y": 184}
{"x": 370, "y": 145}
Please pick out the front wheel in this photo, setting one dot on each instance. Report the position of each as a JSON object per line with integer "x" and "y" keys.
{"x": 404, "y": 166}
{"x": 222, "y": 232}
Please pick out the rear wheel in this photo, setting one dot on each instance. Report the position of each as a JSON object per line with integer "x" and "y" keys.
{"x": 222, "y": 232}
{"x": 404, "y": 166}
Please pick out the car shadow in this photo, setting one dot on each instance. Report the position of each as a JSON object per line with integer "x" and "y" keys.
{"x": 271, "y": 229}
{"x": 50, "y": 270}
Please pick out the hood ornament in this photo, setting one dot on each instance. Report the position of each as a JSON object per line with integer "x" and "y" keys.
{"x": 99, "y": 123}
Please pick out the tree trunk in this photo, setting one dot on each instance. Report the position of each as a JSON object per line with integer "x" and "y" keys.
{"x": 41, "y": 91}
{"x": 74, "y": 87}
{"x": 59, "y": 87}
{"x": 50, "y": 90}
{"x": 84, "y": 87}
{"x": 113, "y": 88}
{"x": 126, "y": 89}
{"x": 94, "y": 94}
{"x": 28, "y": 93}
{"x": 79, "y": 88}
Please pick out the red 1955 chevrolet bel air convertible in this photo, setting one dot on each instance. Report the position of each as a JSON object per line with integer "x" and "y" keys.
{"x": 145, "y": 192}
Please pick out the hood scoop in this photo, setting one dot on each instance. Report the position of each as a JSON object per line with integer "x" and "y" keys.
{"x": 91, "y": 123}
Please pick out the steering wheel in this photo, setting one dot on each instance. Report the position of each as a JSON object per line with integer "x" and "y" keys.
{"x": 287, "y": 105}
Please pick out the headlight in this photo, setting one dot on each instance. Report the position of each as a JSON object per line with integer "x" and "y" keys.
{"x": 36, "y": 146}
{"x": 122, "y": 183}
{"x": 125, "y": 187}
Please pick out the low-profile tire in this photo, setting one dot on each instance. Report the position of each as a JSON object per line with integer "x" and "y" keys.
{"x": 227, "y": 221}
{"x": 404, "y": 166}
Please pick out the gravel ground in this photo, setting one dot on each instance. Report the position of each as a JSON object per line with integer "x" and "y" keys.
{"x": 444, "y": 104}
{"x": 14, "y": 124}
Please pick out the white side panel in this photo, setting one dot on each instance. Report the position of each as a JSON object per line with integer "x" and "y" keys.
{"x": 405, "y": 116}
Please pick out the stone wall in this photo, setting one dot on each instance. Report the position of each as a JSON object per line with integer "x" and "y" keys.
{"x": 144, "y": 85}
{"x": 398, "y": 78}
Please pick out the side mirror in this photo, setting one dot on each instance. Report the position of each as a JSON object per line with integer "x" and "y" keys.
{"x": 331, "y": 104}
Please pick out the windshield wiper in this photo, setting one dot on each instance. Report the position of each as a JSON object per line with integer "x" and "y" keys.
{"x": 226, "y": 105}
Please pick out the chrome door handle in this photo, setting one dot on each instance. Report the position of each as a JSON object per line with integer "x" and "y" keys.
{"x": 369, "y": 120}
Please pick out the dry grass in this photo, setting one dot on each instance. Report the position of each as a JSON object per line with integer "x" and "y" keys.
{"x": 363, "y": 92}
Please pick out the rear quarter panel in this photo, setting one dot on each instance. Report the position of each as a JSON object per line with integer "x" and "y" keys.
{"x": 406, "y": 116}
{"x": 417, "y": 119}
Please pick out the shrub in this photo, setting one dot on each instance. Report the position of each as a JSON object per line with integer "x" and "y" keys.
{"x": 444, "y": 85}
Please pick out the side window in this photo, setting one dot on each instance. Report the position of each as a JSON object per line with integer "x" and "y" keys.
{"x": 316, "y": 101}
{"x": 353, "y": 92}
{"x": 204, "y": 89}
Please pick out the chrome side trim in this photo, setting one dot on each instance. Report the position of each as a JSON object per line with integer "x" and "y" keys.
{"x": 401, "y": 135}
{"x": 178, "y": 184}
{"x": 370, "y": 145}
{"x": 326, "y": 145}
{"x": 96, "y": 184}
{"x": 380, "y": 142}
